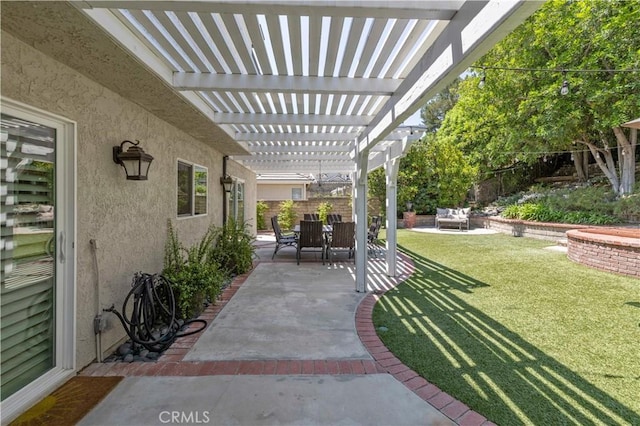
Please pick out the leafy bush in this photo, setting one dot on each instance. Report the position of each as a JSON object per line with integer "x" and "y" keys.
{"x": 629, "y": 206}
{"x": 511, "y": 212}
{"x": 540, "y": 212}
{"x": 287, "y": 215}
{"x": 261, "y": 208}
{"x": 233, "y": 248}
{"x": 194, "y": 273}
{"x": 324, "y": 208}
{"x": 590, "y": 204}
{"x": 596, "y": 199}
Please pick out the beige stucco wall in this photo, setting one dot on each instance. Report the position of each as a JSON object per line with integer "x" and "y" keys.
{"x": 276, "y": 192}
{"x": 126, "y": 218}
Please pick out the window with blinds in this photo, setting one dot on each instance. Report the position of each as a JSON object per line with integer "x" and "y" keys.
{"x": 27, "y": 293}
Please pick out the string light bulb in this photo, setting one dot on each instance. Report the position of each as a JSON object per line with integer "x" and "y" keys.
{"x": 483, "y": 79}
{"x": 564, "y": 90}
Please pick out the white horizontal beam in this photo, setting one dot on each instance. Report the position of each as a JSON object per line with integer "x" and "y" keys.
{"x": 286, "y": 156}
{"x": 438, "y": 10}
{"x": 397, "y": 150}
{"x": 295, "y": 169}
{"x": 300, "y": 166}
{"x": 284, "y": 84}
{"x": 295, "y": 137}
{"x": 398, "y": 134}
{"x": 291, "y": 119}
{"x": 300, "y": 148}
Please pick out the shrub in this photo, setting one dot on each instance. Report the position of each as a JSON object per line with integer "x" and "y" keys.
{"x": 287, "y": 215}
{"x": 511, "y": 212}
{"x": 194, "y": 274}
{"x": 233, "y": 248}
{"x": 596, "y": 199}
{"x": 261, "y": 208}
{"x": 539, "y": 212}
{"x": 324, "y": 208}
{"x": 628, "y": 206}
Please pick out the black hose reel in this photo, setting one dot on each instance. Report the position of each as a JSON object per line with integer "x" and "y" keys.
{"x": 153, "y": 322}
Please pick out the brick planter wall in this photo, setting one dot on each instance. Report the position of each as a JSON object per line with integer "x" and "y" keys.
{"x": 613, "y": 250}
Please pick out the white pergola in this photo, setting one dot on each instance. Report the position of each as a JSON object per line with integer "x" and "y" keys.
{"x": 297, "y": 85}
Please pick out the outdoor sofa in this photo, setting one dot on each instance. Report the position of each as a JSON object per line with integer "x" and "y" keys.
{"x": 459, "y": 217}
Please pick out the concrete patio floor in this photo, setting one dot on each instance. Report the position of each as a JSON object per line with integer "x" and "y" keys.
{"x": 286, "y": 344}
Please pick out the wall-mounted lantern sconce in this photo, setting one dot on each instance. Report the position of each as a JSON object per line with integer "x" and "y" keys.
{"x": 135, "y": 161}
{"x": 226, "y": 181}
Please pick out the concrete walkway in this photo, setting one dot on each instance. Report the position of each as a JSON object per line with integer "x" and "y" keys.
{"x": 285, "y": 345}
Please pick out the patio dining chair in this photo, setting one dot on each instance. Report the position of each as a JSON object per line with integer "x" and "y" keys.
{"x": 282, "y": 240}
{"x": 311, "y": 237}
{"x": 342, "y": 239}
{"x": 372, "y": 235}
{"x": 311, "y": 216}
{"x": 374, "y": 229}
{"x": 333, "y": 217}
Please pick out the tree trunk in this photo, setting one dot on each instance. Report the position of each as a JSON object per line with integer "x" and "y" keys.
{"x": 622, "y": 178}
{"x": 581, "y": 162}
{"x": 606, "y": 164}
{"x": 626, "y": 159}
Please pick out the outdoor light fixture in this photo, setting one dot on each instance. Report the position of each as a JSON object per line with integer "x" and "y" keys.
{"x": 565, "y": 84}
{"x": 135, "y": 161}
{"x": 226, "y": 181}
{"x": 483, "y": 79}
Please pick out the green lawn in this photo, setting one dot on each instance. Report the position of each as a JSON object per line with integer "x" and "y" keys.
{"x": 519, "y": 333}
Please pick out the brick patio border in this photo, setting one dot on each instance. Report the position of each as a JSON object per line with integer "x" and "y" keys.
{"x": 442, "y": 401}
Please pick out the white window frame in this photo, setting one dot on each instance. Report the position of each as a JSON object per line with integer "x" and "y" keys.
{"x": 233, "y": 212}
{"x": 66, "y": 229}
{"x": 301, "y": 197}
{"x": 192, "y": 196}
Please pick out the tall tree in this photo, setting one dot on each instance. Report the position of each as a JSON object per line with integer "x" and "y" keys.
{"x": 521, "y": 110}
{"x": 434, "y": 111}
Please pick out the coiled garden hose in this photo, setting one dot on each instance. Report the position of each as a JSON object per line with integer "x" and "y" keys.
{"x": 154, "y": 309}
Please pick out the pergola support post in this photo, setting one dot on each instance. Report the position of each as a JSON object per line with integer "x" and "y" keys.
{"x": 391, "y": 168}
{"x": 360, "y": 203}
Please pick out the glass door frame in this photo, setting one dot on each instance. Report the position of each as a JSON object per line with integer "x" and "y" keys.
{"x": 65, "y": 276}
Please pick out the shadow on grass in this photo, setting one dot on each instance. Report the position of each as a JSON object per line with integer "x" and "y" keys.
{"x": 479, "y": 361}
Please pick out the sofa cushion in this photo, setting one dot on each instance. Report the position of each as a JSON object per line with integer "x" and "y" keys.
{"x": 461, "y": 214}
{"x": 442, "y": 212}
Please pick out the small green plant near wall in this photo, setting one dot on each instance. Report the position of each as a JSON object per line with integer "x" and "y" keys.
{"x": 233, "y": 248}
{"x": 287, "y": 215}
{"x": 324, "y": 208}
{"x": 195, "y": 274}
{"x": 261, "y": 209}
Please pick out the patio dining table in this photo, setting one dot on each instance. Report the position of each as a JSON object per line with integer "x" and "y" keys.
{"x": 326, "y": 229}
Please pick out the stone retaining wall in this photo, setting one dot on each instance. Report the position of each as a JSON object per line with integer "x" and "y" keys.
{"x": 522, "y": 228}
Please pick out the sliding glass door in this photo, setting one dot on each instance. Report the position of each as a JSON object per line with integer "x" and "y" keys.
{"x": 35, "y": 251}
